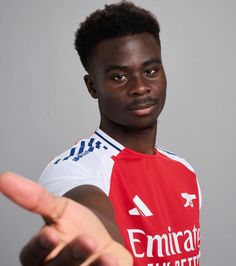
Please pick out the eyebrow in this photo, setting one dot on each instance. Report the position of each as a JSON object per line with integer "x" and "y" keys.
{"x": 123, "y": 68}
{"x": 115, "y": 67}
{"x": 152, "y": 61}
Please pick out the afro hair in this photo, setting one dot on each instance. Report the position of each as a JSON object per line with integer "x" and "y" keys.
{"x": 115, "y": 20}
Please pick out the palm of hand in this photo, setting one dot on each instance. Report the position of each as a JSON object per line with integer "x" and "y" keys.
{"x": 67, "y": 218}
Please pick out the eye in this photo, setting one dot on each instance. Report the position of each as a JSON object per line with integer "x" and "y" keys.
{"x": 119, "y": 77}
{"x": 150, "y": 71}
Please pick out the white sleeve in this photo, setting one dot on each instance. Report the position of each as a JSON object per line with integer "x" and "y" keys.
{"x": 96, "y": 169}
{"x": 62, "y": 177}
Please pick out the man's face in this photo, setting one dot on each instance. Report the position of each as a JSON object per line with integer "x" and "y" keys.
{"x": 128, "y": 79}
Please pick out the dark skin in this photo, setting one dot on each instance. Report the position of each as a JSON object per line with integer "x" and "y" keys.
{"x": 127, "y": 77}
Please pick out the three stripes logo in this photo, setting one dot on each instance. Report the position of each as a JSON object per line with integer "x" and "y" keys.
{"x": 141, "y": 208}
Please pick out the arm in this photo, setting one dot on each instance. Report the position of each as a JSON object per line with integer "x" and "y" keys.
{"x": 73, "y": 233}
{"x": 97, "y": 201}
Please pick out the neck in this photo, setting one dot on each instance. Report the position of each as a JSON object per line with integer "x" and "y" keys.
{"x": 140, "y": 140}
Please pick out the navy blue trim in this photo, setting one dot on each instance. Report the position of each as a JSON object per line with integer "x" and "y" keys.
{"x": 57, "y": 161}
{"x": 72, "y": 152}
{"x": 91, "y": 142}
{"x": 107, "y": 141}
{"x": 169, "y": 152}
{"x": 85, "y": 148}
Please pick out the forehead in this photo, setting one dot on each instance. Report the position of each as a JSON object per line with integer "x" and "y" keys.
{"x": 129, "y": 50}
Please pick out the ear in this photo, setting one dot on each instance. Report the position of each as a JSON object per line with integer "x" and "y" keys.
{"x": 90, "y": 86}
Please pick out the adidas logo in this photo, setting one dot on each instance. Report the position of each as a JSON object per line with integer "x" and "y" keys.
{"x": 141, "y": 208}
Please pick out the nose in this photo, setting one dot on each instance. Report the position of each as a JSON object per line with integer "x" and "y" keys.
{"x": 138, "y": 86}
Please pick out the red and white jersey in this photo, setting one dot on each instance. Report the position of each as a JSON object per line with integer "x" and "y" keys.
{"x": 156, "y": 198}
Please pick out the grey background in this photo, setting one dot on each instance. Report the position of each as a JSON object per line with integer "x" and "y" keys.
{"x": 45, "y": 108}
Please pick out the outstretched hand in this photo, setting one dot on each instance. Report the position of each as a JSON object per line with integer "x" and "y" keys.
{"x": 73, "y": 235}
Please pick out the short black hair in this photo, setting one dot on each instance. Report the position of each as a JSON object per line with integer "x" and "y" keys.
{"x": 115, "y": 20}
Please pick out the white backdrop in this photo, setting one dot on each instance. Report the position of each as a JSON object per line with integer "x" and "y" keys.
{"x": 45, "y": 108}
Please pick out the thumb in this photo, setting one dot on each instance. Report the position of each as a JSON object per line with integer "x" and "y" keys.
{"x": 31, "y": 196}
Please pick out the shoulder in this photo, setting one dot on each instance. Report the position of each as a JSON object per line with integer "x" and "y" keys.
{"x": 180, "y": 160}
{"x": 175, "y": 158}
{"x": 79, "y": 165}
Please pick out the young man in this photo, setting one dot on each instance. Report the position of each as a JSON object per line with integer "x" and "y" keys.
{"x": 124, "y": 192}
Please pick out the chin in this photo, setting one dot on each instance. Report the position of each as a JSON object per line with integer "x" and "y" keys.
{"x": 142, "y": 125}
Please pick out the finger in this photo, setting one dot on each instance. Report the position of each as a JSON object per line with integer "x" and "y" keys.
{"x": 75, "y": 253}
{"x": 39, "y": 247}
{"x": 105, "y": 260}
{"x": 31, "y": 196}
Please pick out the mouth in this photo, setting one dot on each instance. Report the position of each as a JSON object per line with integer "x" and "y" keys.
{"x": 143, "y": 107}
{"x": 140, "y": 106}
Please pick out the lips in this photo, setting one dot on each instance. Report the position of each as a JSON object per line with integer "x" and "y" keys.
{"x": 138, "y": 105}
{"x": 143, "y": 108}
